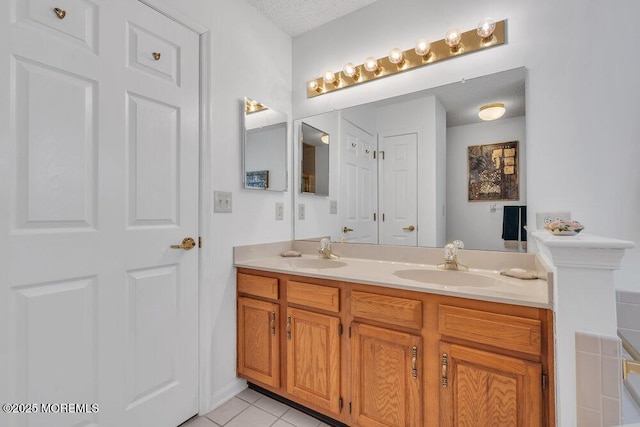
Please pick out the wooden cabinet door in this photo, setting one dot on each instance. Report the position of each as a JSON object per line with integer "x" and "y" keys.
{"x": 387, "y": 377}
{"x": 480, "y": 388}
{"x": 258, "y": 337}
{"x": 313, "y": 358}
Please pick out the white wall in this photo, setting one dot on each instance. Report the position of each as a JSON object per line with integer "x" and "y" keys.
{"x": 582, "y": 111}
{"x": 485, "y": 231}
{"x": 250, "y": 57}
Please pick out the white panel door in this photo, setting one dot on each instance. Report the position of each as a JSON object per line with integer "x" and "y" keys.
{"x": 399, "y": 189}
{"x": 99, "y": 164}
{"x": 358, "y": 196}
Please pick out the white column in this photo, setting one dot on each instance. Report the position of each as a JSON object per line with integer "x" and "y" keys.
{"x": 583, "y": 301}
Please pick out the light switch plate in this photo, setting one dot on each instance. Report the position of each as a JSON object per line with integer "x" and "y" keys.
{"x": 279, "y": 211}
{"x": 222, "y": 201}
{"x": 333, "y": 207}
{"x": 301, "y": 213}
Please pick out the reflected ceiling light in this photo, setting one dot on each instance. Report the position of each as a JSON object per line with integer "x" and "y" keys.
{"x": 486, "y": 34}
{"x": 423, "y": 48}
{"x": 252, "y": 106}
{"x": 485, "y": 29}
{"x": 492, "y": 111}
{"x": 325, "y": 138}
{"x": 351, "y": 70}
{"x": 453, "y": 38}
{"x": 396, "y": 56}
{"x": 371, "y": 65}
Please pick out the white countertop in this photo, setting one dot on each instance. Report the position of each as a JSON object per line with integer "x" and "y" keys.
{"x": 494, "y": 287}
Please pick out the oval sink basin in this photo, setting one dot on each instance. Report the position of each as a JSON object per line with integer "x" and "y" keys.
{"x": 448, "y": 278}
{"x": 315, "y": 263}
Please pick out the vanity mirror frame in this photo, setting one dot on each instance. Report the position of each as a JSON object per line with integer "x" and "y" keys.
{"x": 262, "y": 124}
{"x": 318, "y": 211}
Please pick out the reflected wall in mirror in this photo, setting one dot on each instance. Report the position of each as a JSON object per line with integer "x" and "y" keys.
{"x": 265, "y": 147}
{"x": 399, "y": 167}
{"x": 314, "y": 168}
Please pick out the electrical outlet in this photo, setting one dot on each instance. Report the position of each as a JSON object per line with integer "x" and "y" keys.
{"x": 301, "y": 211}
{"x": 222, "y": 201}
{"x": 279, "y": 211}
{"x": 333, "y": 207}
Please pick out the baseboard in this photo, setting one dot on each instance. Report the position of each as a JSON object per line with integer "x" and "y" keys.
{"x": 226, "y": 393}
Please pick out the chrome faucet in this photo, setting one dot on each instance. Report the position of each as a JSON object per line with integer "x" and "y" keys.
{"x": 325, "y": 249}
{"x": 451, "y": 257}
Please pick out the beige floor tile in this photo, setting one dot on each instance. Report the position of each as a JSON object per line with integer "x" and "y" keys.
{"x": 249, "y": 395}
{"x": 199, "y": 422}
{"x": 281, "y": 423}
{"x": 227, "y": 410}
{"x": 252, "y": 417}
{"x": 300, "y": 419}
{"x": 271, "y": 406}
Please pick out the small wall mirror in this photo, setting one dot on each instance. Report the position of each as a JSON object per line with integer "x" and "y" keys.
{"x": 314, "y": 168}
{"x": 265, "y": 147}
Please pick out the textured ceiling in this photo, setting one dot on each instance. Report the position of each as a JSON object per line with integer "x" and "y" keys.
{"x": 298, "y": 16}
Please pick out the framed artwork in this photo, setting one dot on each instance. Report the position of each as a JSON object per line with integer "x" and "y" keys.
{"x": 493, "y": 172}
{"x": 257, "y": 179}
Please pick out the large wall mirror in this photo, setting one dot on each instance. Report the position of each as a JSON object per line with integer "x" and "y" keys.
{"x": 314, "y": 164}
{"x": 404, "y": 170}
{"x": 265, "y": 147}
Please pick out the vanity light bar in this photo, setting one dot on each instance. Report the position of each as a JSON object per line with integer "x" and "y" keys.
{"x": 470, "y": 42}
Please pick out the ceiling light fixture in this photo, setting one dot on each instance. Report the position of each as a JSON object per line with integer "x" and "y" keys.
{"x": 487, "y": 33}
{"x": 492, "y": 111}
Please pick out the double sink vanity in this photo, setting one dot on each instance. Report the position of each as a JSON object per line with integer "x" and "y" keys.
{"x": 383, "y": 337}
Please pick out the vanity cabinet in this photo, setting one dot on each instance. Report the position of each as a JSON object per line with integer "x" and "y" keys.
{"x": 378, "y": 356}
{"x": 258, "y": 339}
{"x": 482, "y": 388}
{"x": 387, "y": 376}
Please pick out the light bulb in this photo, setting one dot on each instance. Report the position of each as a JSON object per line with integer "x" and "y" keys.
{"x": 312, "y": 84}
{"x": 423, "y": 47}
{"x": 371, "y": 64}
{"x": 350, "y": 70}
{"x": 452, "y": 38}
{"x": 329, "y": 77}
{"x": 486, "y": 27}
{"x": 396, "y": 56}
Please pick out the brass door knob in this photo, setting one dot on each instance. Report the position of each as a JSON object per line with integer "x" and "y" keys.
{"x": 60, "y": 13}
{"x": 187, "y": 244}
{"x": 156, "y": 55}
{"x": 346, "y": 230}
{"x": 409, "y": 228}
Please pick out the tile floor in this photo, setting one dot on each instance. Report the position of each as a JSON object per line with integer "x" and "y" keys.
{"x": 252, "y": 409}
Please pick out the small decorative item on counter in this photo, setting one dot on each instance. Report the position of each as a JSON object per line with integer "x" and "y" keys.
{"x": 564, "y": 228}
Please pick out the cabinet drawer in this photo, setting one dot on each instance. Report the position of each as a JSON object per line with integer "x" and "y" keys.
{"x": 499, "y": 330}
{"x": 316, "y": 296}
{"x": 266, "y": 287}
{"x": 396, "y": 311}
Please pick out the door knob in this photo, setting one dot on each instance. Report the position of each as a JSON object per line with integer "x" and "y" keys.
{"x": 187, "y": 244}
{"x": 346, "y": 230}
{"x": 409, "y": 228}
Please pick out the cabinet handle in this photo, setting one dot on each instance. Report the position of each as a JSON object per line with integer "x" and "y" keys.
{"x": 414, "y": 361}
{"x": 445, "y": 363}
{"x": 273, "y": 323}
{"x": 288, "y": 327}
